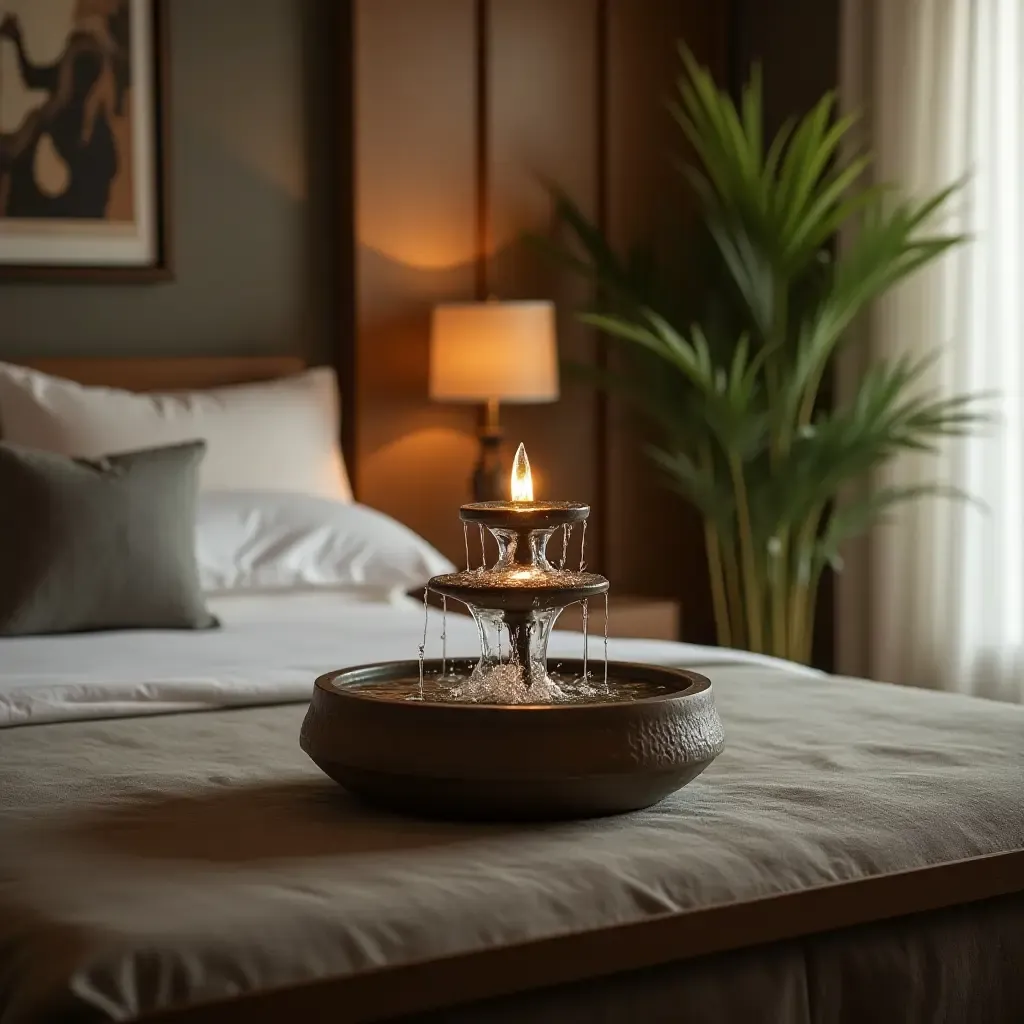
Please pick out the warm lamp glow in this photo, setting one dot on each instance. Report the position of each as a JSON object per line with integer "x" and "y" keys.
{"x": 494, "y": 351}
{"x": 522, "y": 480}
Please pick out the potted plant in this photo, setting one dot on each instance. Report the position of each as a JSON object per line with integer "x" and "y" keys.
{"x": 729, "y": 354}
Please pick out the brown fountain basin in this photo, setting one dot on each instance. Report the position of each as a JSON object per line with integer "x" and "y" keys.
{"x": 368, "y": 730}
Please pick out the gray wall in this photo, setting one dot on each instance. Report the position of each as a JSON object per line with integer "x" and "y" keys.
{"x": 252, "y": 152}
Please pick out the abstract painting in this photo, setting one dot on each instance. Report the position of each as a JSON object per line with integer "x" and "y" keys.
{"x": 82, "y": 180}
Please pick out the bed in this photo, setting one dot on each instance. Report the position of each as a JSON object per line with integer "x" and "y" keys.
{"x": 167, "y": 853}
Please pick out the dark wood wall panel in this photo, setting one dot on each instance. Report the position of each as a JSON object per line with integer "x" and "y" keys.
{"x": 415, "y": 144}
{"x": 570, "y": 90}
{"x": 542, "y": 119}
{"x": 792, "y": 87}
{"x": 655, "y": 543}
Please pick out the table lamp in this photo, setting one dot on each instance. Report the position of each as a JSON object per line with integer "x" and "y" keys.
{"x": 489, "y": 353}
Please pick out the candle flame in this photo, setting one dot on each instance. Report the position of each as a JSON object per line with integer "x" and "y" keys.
{"x": 522, "y": 480}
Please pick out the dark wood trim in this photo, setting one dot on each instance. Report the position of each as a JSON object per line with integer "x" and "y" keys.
{"x": 602, "y": 411}
{"x": 346, "y": 313}
{"x": 482, "y": 32}
{"x": 162, "y": 108}
{"x": 736, "y": 58}
{"x": 174, "y": 373}
{"x": 163, "y": 268}
{"x": 394, "y": 992}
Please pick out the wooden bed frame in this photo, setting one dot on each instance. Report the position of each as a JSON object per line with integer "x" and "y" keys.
{"x": 403, "y": 993}
{"x": 169, "y": 374}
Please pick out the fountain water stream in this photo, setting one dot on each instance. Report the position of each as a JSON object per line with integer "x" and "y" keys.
{"x": 521, "y": 596}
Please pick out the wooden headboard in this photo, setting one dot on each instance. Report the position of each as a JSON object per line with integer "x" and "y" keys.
{"x": 175, "y": 374}
{"x": 187, "y": 374}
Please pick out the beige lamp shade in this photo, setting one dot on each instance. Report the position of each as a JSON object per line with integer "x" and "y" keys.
{"x": 503, "y": 351}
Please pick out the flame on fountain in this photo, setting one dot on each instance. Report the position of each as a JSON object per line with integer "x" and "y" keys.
{"x": 522, "y": 478}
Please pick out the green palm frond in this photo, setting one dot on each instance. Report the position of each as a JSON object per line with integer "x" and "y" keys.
{"x": 737, "y": 343}
{"x": 855, "y": 517}
{"x": 710, "y": 496}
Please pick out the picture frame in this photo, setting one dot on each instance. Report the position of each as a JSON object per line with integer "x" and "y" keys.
{"x": 84, "y": 149}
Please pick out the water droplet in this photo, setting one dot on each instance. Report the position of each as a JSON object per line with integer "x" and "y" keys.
{"x": 606, "y": 641}
{"x": 483, "y": 549}
{"x": 444, "y": 635}
{"x": 583, "y": 547}
{"x": 585, "y": 603}
{"x": 513, "y": 647}
{"x": 423, "y": 646}
{"x": 566, "y": 531}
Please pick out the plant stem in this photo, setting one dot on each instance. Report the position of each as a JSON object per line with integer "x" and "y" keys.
{"x": 751, "y": 584}
{"x": 780, "y": 329}
{"x": 779, "y": 555}
{"x": 718, "y": 599}
{"x": 810, "y": 607}
{"x": 810, "y": 399}
{"x": 779, "y": 597}
{"x": 797, "y": 621}
{"x": 712, "y": 543}
{"x": 735, "y": 592}
{"x": 806, "y": 587}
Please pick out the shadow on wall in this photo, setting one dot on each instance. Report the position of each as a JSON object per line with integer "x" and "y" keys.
{"x": 415, "y": 457}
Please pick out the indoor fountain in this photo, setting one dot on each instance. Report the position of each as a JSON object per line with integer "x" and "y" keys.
{"x": 508, "y": 735}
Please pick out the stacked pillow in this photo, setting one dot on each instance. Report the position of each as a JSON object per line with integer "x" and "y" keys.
{"x": 121, "y": 510}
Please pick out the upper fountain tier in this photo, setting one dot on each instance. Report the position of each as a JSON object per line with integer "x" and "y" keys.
{"x": 522, "y": 579}
{"x": 524, "y": 515}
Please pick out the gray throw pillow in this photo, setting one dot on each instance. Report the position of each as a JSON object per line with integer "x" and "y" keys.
{"x": 91, "y": 544}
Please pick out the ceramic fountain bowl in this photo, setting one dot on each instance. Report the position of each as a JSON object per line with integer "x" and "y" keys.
{"x": 655, "y": 730}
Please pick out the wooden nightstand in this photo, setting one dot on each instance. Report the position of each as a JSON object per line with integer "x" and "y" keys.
{"x": 650, "y": 618}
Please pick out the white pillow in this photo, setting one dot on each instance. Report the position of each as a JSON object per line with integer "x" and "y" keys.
{"x": 267, "y": 541}
{"x": 278, "y": 435}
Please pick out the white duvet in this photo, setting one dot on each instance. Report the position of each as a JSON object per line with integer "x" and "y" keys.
{"x": 269, "y": 650}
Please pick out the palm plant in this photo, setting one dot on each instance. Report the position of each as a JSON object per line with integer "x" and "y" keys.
{"x": 731, "y": 370}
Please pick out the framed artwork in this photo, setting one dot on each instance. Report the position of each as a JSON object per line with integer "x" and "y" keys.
{"x": 83, "y": 153}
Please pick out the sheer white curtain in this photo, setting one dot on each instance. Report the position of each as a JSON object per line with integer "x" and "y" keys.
{"x": 935, "y": 597}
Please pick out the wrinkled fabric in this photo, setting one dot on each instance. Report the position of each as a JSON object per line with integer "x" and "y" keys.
{"x": 151, "y": 862}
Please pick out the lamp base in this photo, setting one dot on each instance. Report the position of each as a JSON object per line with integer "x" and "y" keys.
{"x": 488, "y": 478}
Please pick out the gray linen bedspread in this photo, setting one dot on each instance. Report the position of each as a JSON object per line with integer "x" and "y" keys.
{"x": 148, "y": 863}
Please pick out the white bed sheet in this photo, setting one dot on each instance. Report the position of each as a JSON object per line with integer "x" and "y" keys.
{"x": 269, "y": 650}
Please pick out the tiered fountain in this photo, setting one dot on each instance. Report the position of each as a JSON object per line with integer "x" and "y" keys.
{"x": 505, "y": 735}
